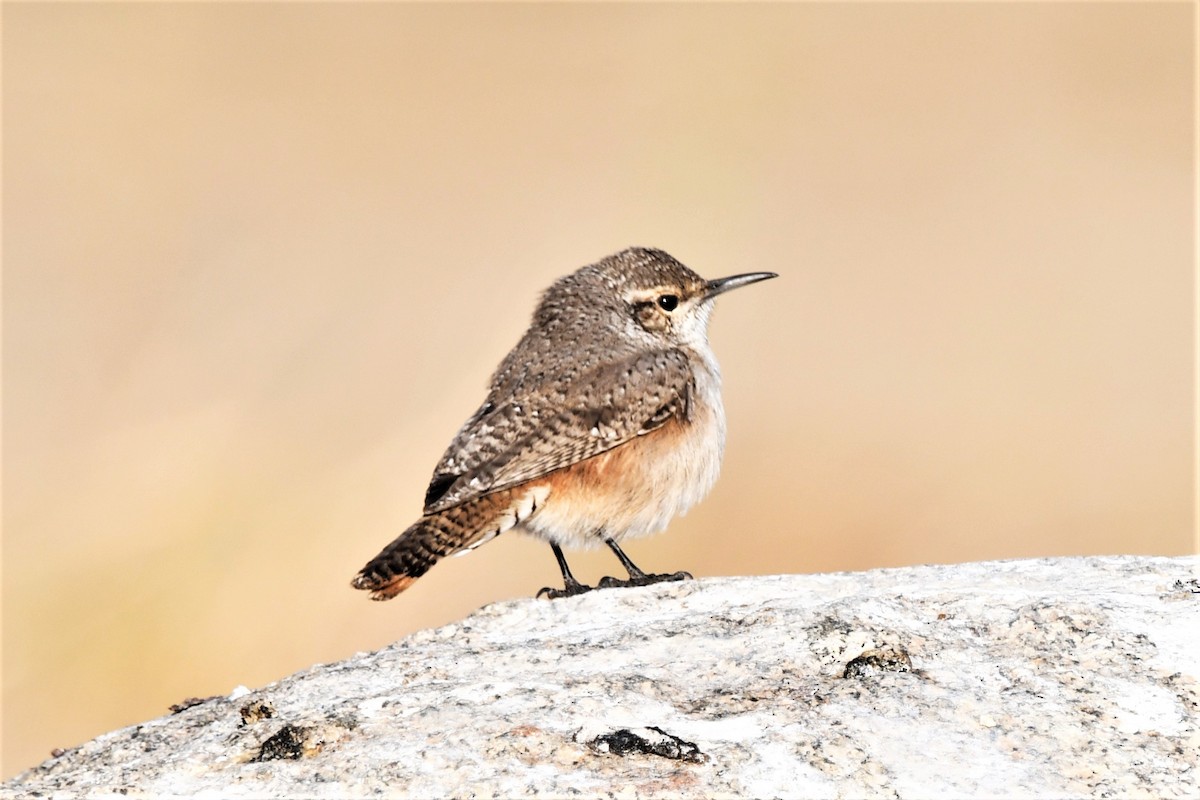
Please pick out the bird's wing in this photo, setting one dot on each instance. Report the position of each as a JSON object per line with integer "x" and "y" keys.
{"x": 514, "y": 440}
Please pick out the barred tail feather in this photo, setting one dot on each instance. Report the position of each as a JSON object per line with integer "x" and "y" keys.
{"x": 436, "y": 536}
{"x": 404, "y": 560}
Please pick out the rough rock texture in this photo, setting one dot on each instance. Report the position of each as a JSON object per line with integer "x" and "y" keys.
{"x": 1059, "y": 677}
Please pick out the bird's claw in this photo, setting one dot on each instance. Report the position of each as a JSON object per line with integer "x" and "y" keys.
{"x": 643, "y": 580}
{"x": 570, "y": 590}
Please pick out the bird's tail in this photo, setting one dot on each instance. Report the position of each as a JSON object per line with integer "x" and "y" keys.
{"x": 435, "y": 536}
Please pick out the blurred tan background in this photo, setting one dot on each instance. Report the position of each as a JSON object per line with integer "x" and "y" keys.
{"x": 259, "y": 261}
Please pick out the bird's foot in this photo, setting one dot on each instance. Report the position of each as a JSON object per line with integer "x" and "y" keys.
{"x": 571, "y": 589}
{"x": 643, "y": 580}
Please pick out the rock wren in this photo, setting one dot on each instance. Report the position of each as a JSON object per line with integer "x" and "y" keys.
{"x": 602, "y": 424}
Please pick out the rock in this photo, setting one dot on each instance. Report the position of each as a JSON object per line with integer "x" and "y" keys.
{"x": 1021, "y": 678}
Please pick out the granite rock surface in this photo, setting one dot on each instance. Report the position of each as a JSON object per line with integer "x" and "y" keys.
{"x": 1047, "y": 678}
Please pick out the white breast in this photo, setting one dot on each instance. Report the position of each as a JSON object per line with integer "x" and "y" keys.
{"x": 687, "y": 471}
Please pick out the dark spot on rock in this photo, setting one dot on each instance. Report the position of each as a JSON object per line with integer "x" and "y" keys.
{"x": 288, "y": 743}
{"x": 872, "y": 662}
{"x": 256, "y": 710}
{"x": 1192, "y": 585}
{"x": 188, "y": 702}
{"x": 57, "y": 752}
{"x": 829, "y": 625}
{"x": 658, "y": 743}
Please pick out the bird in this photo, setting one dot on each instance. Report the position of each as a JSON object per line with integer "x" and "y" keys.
{"x": 602, "y": 424}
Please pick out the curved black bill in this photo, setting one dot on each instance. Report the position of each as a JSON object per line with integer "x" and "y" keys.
{"x": 716, "y": 287}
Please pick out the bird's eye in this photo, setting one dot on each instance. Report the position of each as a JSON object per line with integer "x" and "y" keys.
{"x": 668, "y": 302}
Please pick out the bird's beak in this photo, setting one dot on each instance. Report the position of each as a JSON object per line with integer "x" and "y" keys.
{"x": 716, "y": 287}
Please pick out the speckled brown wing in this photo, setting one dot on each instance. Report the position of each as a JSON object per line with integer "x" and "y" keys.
{"x": 517, "y": 439}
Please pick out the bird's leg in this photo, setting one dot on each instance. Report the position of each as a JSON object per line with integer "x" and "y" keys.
{"x": 636, "y": 576}
{"x": 570, "y": 585}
